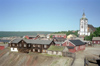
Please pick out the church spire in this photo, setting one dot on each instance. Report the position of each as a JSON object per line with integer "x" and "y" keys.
{"x": 83, "y": 14}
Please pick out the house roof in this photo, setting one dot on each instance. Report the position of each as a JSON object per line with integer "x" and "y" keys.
{"x": 58, "y": 42}
{"x": 42, "y": 35}
{"x": 60, "y": 38}
{"x": 77, "y": 42}
{"x": 96, "y": 38}
{"x": 38, "y": 41}
{"x": 56, "y": 48}
{"x": 16, "y": 40}
{"x": 58, "y": 34}
{"x": 31, "y": 41}
{"x": 31, "y": 35}
{"x": 91, "y": 28}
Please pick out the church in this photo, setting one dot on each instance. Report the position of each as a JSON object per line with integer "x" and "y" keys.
{"x": 85, "y": 28}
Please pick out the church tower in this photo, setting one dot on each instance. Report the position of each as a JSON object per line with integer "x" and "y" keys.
{"x": 84, "y": 26}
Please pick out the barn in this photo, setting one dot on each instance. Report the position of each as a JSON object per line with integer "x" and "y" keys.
{"x": 74, "y": 45}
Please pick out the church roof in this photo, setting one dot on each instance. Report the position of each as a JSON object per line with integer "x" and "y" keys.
{"x": 83, "y": 17}
{"x": 91, "y": 28}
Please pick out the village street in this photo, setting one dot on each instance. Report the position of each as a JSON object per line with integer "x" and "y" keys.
{"x": 92, "y": 52}
{"x": 79, "y": 60}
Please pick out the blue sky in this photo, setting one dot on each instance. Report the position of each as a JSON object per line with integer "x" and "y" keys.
{"x": 47, "y": 15}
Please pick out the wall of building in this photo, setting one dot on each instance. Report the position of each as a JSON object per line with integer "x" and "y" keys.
{"x": 14, "y": 49}
{"x": 96, "y": 41}
{"x": 2, "y": 47}
{"x": 54, "y": 53}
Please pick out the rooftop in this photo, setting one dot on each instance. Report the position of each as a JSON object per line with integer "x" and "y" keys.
{"x": 56, "y": 48}
{"x": 96, "y": 38}
{"x": 77, "y": 42}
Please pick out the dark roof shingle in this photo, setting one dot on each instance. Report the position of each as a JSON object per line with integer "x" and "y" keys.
{"x": 77, "y": 42}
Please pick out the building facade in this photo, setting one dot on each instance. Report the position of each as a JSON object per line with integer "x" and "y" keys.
{"x": 29, "y": 45}
{"x": 96, "y": 40}
{"x": 74, "y": 45}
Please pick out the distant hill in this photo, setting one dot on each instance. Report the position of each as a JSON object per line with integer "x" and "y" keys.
{"x": 21, "y": 33}
{"x": 75, "y": 32}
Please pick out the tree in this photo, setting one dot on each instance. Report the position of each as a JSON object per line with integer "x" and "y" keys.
{"x": 50, "y": 36}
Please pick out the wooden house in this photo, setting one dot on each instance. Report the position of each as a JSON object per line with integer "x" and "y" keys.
{"x": 57, "y": 50}
{"x": 58, "y": 35}
{"x": 31, "y": 37}
{"x": 58, "y": 43}
{"x": 29, "y": 45}
{"x": 59, "y": 39}
{"x": 71, "y": 36}
{"x": 74, "y": 45}
{"x": 96, "y": 40}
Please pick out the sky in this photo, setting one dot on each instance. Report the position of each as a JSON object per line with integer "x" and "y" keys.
{"x": 47, "y": 15}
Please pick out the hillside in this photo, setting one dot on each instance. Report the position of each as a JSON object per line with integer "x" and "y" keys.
{"x": 8, "y": 58}
{"x": 16, "y": 33}
{"x": 67, "y": 32}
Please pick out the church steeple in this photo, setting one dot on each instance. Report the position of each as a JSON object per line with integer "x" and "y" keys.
{"x": 83, "y": 14}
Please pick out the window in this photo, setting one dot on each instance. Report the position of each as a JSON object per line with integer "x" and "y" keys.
{"x": 38, "y": 45}
{"x": 45, "y": 46}
{"x": 76, "y": 48}
{"x": 33, "y": 50}
{"x": 29, "y": 45}
{"x": 33, "y": 45}
{"x": 94, "y": 41}
{"x": 13, "y": 44}
{"x": 43, "y": 50}
{"x": 24, "y": 45}
{"x": 38, "y": 50}
{"x": 20, "y": 45}
{"x": 17, "y": 44}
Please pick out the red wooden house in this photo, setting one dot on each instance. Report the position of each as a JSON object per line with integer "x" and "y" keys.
{"x": 96, "y": 40}
{"x": 3, "y": 46}
{"x": 74, "y": 45}
{"x": 31, "y": 37}
{"x": 58, "y": 35}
